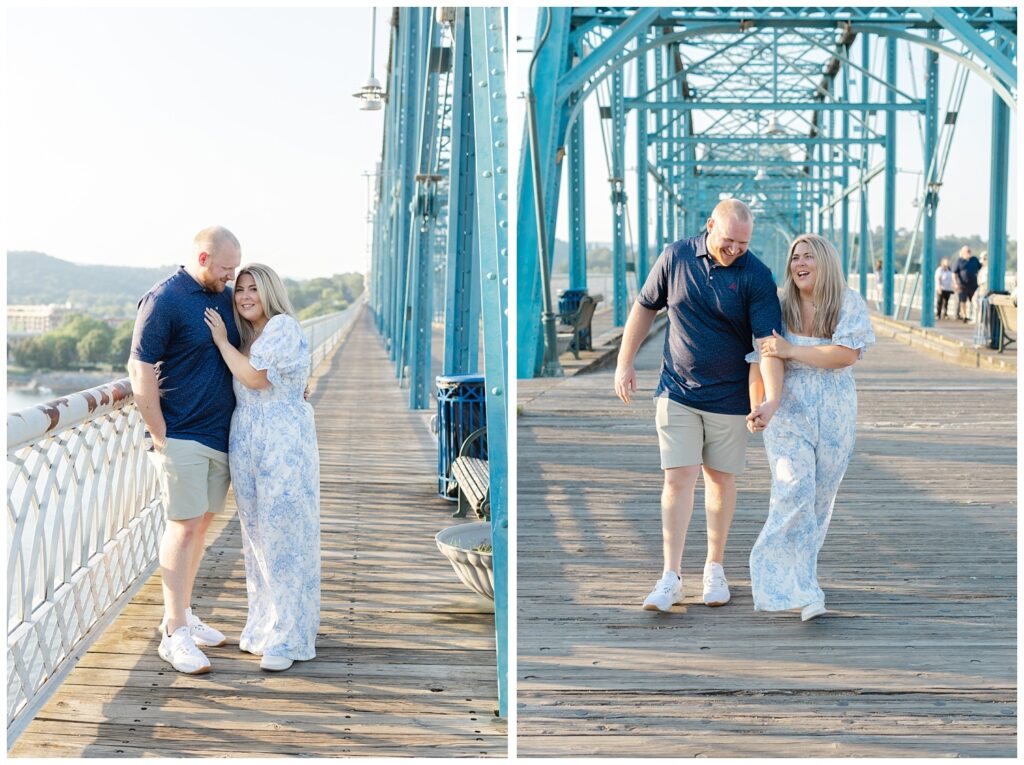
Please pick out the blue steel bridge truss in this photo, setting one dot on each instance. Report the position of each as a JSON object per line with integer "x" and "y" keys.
{"x": 792, "y": 110}
{"x": 440, "y": 229}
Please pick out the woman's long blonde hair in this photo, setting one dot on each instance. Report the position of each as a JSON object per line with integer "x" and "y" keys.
{"x": 829, "y": 289}
{"x": 273, "y": 297}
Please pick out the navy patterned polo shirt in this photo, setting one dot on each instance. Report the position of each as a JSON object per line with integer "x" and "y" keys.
{"x": 196, "y": 396}
{"x": 714, "y": 312}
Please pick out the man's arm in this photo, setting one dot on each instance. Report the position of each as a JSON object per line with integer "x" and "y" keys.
{"x": 146, "y": 390}
{"x": 773, "y": 371}
{"x": 633, "y": 334}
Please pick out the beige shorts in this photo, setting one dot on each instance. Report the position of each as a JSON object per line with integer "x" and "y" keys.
{"x": 689, "y": 436}
{"x": 193, "y": 478}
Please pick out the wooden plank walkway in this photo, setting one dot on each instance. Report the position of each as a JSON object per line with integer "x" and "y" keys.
{"x": 405, "y": 654}
{"x": 917, "y": 658}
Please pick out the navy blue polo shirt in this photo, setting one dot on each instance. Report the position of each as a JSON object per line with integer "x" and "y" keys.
{"x": 196, "y": 396}
{"x": 714, "y": 312}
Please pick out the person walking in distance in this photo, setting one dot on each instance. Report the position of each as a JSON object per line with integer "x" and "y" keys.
{"x": 718, "y": 297}
{"x": 183, "y": 390}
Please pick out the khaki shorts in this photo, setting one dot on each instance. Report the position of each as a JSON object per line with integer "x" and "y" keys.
{"x": 689, "y": 436}
{"x": 193, "y": 478}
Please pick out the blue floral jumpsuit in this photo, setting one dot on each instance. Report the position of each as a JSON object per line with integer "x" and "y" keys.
{"x": 809, "y": 442}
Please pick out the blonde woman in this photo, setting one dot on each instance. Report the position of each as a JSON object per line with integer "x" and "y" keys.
{"x": 275, "y": 469}
{"x": 810, "y": 439}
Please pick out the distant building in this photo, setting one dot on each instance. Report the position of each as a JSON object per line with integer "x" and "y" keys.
{"x": 35, "y": 319}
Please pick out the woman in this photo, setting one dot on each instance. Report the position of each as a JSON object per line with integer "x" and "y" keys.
{"x": 275, "y": 470}
{"x": 810, "y": 439}
{"x": 943, "y": 288}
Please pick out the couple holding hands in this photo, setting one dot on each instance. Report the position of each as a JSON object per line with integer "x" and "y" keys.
{"x": 795, "y": 385}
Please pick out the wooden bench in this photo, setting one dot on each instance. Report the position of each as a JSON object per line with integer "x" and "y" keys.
{"x": 1006, "y": 307}
{"x": 473, "y": 477}
{"x": 579, "y": 320}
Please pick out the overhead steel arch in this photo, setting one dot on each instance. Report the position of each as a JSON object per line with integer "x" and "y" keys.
{"x": 689, "y": 163}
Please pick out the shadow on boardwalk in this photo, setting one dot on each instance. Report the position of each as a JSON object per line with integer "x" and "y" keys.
{"x": 916, "y": 658}
{"x": 405, "y": 653}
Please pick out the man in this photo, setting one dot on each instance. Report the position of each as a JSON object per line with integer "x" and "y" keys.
{"x": 183, "y": 390}
{"x": 719, "y": 296}
{"x": 965, "y": 279}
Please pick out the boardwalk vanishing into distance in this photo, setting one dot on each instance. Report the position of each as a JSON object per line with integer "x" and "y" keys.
{"x": 405, "y": 653}
{"x": 917, "y": 657}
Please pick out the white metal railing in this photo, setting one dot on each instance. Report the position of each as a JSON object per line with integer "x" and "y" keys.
{"x": 84, "y": 520}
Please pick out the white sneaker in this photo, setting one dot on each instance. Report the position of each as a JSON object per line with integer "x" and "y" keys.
{"x": 812, "y": 611}
{"x": 275, "y": 663}
{"x": 203, "y": 633}
{"x": 180, "y": 651}
{"x": 716, "y": 589}
{"x": 666, "y": 593}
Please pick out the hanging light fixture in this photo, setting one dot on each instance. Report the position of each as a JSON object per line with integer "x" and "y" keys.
{"x": 761, "y": 174}
{"x": 775, "y": 127}
{"x": 371, "y": 96}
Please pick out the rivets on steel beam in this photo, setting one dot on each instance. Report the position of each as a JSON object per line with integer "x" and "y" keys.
{"x": 493, "y": 27}
{"x": 499, "y": 144}
{"x": 499, "y": 169}
{"x": 502, "y": 224}
{"x": 498, "y": 120}
{"x": 486, "y": 173}
{"x": 482, "y": 84}
{"x": 502, "y": 195}
{"x": 496, "y": 391}
{"x": 495, "y": 72}
{"x": 491, "y": 276}
{"x": 495, "y": 49}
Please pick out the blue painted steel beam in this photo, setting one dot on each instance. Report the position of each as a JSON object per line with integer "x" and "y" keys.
{"x": 421, "y": 276}
{"x": 863, "y": 264}
{"x": 491, "y": 139}
{"x": 998, "y": 185}
{"x": 775, "y": 106}
{"x": 618, "y": 200}
{"x": 931, "y": 132}
{"x": 575, "y": 78}
{"x": 889, "y": 253}
{"x": 844, "y": 222}
{"x": 552, "y": 122}
{"x": 733, "y": 140}
{"x": 642, "y": 245}
{"x": 577, "y": 208}
{"x": 462, "y": 291}
{"x": 825, "y": 17}
{"x": 1003, "y": 66}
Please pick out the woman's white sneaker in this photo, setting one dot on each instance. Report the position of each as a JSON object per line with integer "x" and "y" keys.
{"x": 275, "y": 663}
{"x": 180, "y": 651}
{"x": 666, "y": 593}
{"x": 812, "y": 611}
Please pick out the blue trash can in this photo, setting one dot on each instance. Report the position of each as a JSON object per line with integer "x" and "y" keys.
{"x": 461, "y": 409}
{"x": 569, "y": 301}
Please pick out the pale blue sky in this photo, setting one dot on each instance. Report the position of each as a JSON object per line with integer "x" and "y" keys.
{"x": 129, "y": 129}
{"x": 964, "y": 200}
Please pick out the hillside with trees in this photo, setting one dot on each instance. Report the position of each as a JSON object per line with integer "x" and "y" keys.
{"x": 92, "y": 337}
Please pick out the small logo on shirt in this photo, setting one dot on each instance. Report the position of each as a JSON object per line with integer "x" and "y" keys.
{"x": 732, "y": 286}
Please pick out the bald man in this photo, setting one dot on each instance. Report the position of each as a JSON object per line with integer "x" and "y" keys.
{"x": 719, "y": 298}
{"x": 183, "y": 391}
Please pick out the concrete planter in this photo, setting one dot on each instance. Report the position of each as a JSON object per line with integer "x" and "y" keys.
{"x": 475, "y": 569}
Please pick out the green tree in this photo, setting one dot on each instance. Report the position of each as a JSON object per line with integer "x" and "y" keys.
{"x": 121, "y": 344}
{"x": 95, "y": 346}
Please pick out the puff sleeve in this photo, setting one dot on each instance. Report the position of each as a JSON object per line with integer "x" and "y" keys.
{"x": 853, "y": 330}
{"x": 282, "y": 350}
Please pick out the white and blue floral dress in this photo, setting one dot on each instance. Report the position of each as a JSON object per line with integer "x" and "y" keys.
{"x": 809, "y": 442}
{"x": 275, "y": 469}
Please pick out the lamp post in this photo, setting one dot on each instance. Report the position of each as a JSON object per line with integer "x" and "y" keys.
{"x": 371, "y": 96}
